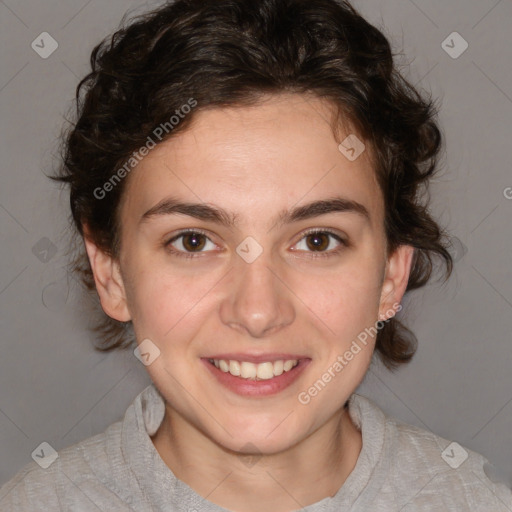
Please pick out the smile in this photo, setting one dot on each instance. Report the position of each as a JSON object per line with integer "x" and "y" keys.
{"x": 255, "y": 378}
{"x": 262, "y": 371}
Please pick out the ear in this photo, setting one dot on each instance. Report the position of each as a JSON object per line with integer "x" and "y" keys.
{"x": 396, "y": 277}
{"x": 108, "y": 280}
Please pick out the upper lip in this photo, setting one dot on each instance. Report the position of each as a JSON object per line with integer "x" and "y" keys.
{"x": 257, "y": 358}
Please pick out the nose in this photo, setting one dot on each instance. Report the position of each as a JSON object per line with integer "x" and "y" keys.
{"x": 258, "y": 302}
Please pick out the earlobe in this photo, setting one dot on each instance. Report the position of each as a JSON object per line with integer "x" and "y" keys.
{"x": 395, "y": 281}
{"x": 108, "y": 280}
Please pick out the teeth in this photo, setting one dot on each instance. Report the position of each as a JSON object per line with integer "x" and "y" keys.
{"x": 262, "y": 371}
{"x": 234, "y": 368}
{"x": 248, "y": 370}
{"x": 265, "y": 371}
{"x": 278, "y": 368}
{"x": 288, "y": 365}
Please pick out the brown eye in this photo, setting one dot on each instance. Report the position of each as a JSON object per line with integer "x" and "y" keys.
{"x": 189, "y": 243}
{"x": 193, "y": 241}
{"x": 317, "y": 241}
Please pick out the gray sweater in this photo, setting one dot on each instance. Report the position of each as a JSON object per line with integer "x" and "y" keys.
{"x": 400, "y": 468}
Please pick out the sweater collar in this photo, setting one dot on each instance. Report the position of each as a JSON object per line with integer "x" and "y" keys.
{"x": 156, "y": 480}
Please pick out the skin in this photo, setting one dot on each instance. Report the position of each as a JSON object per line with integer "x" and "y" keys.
{"x": 255, "y": 162}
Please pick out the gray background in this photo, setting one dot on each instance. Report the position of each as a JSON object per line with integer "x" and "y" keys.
{"x": 54, "y": 387}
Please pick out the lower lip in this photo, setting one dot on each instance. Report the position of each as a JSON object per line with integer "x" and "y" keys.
{"x": 249, "y": 387}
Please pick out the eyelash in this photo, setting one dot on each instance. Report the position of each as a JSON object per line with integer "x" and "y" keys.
{"x": 332, "y": 252}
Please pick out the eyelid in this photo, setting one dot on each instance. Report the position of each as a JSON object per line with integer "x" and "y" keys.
{"x": 186, "y": 231}
{"x": 343, "y": 240}
{"x": 181, "y": 233}
{"x": 311, "y": 231}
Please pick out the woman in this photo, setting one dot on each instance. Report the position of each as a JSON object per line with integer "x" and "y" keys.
{"x": 247, "y": 178}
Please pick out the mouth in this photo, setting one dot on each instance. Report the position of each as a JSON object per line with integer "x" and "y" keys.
{"x": 255, "y": 371}
{"x": 258, "y": 377}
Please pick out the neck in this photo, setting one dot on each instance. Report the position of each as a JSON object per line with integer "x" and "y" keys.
{"x": 304, "y": 474}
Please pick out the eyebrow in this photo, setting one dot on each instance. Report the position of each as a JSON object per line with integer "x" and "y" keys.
{"x": 206, "y": 212}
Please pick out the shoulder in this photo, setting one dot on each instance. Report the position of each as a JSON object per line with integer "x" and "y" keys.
{"x": 446, "y": 471}
{"x": 96, "y": 473}
{"x": 56, "y": 483}
{"x": 427, "y": 472}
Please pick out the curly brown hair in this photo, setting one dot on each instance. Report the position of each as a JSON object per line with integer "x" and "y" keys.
{"x": 232, "y": 52}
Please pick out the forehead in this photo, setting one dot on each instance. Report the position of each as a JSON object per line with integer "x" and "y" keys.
{"x": 255, "y": 161}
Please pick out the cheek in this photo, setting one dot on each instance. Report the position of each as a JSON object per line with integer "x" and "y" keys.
{"x": 165, "y": 300}
{"x": 345, "y": 299}
{"x": 164, "y": 303}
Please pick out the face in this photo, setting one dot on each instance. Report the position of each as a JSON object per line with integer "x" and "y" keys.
{"x": 252, "y": 238}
